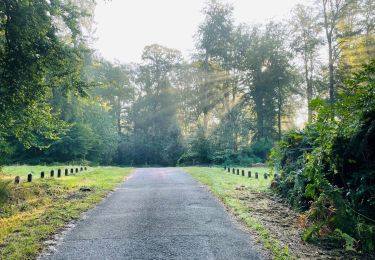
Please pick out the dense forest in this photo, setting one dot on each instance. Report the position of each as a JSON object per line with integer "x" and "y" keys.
{"x": 239, "y": 93}
{"x": 234, "y": 102}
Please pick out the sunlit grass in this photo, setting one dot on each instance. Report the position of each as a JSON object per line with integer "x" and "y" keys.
{"x": 24, "y": 170}
{"x": 224, "y": 185}
{"x": 37, "y": 210}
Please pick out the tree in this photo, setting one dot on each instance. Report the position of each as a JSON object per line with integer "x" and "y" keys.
{"x": 332, "y": 11}
{"x": 33, "y": 60}
{"x": 156, "y": 135}
{"x": 214, "y": 46}
{"x": 356, "y": 37}
{"x": 268, "y": 78}
{"x": 114, "y": 87}
{"x": 306, "y": 42}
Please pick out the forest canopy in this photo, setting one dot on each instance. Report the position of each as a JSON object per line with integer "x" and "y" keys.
{"x": 240, "y": 92}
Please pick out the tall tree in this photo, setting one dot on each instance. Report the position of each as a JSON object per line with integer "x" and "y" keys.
{"x": 356, "y": 37}
{"x": 267, "y": 75}
{"x": 214, "y": 45}
{"x": 332, "y": 12}
{"x": 156, "y": 137}
{"x": 306, "y": 42}
{"x": 115, "y": 87}
{"x": 33, "y": 60}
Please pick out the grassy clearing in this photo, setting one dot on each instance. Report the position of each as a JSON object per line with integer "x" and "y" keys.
{"x": 37, "y": 210}
{"x": 225, "y": 186}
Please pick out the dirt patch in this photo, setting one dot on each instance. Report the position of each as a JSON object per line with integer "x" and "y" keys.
{"x": 285, "y": 225}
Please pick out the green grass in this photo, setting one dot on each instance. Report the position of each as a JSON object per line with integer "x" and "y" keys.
{"x": 24, "y": 170}
{"x": 35, "y": 211}
{"x": 223, "y": 185}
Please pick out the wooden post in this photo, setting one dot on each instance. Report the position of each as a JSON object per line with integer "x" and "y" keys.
{"x": 265, "y": 176}
{"x": 66, "y": 172}
{"x": 243, "y": 172}
{"x": 238, "y": 171}
{"x": 71, "y": 170}
{"x": 233, "y": 170}
{"x": 42, "y": 175}
{"x": 58, "y": 173}
{"x": 85, "y": 168}
{"x": 81, "y": 168}
{"x": 17, "y": 180}
{"x": 52, "y": 173}
{"x": 249, "y": 174}
{"x": 256, "y": 175}
{"x": 29, "y": 177}
{"x": 228, "y": 169}
{"x": 76, "y": 170}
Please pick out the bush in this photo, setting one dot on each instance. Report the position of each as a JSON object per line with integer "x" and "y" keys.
{"x": 261, "y": 148}
{"x": 329, "y": 168}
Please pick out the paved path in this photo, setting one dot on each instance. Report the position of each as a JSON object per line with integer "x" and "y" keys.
{"x": 157, "y": 214}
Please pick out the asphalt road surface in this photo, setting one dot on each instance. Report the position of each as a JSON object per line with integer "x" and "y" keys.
{"x": 157, "y": 214}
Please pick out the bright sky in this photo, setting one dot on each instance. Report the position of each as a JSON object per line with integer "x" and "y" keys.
{"x": 125, "y": 27}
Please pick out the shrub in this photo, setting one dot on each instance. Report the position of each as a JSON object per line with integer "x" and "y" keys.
{"x": 329, "y": 168}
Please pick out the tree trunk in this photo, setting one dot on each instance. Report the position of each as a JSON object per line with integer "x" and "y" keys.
{"x": 308, "y": 86}
{"x": 331, "y": 79}
{"x": 279, "y": 103}
{"x": 119, "y": 128}
{"x": 328, "y": 26}
{"x": 205, "y": 121}
{"x": 205, "y": 103}
{"x": 259, "y": 111}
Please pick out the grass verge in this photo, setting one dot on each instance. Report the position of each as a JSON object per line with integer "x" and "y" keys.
{"x": 35, "y": 211}
{"x": 225, "y": 185}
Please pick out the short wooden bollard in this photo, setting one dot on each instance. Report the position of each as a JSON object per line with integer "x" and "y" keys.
{"x": 52, "y": 173}
{"x": 76, "y": 169}
{"x": 228, "y": 169}
{"x": 42, "y": 175}
{"x": 249, "y": 174}
{"x": 81, "y": 168}
{"x": 29, "y": 177}
{"x": 265, "y": 176}
{"x": 233, "y": 170}
{"x": 243, "y": 172}
{"x": 238, "y": 171}
{"x": 256, "y": 175}
{"x": 71, "y": 170}
{"x": 17, "y": 180}
{"x": 85, "y": 168}
{"x": 66, "y": 172}
{"x": 59, "y": 173}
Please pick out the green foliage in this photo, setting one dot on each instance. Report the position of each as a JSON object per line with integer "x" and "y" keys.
{"x": 329, "y": 168}
{"x": 75, "y": 145}
{"x": 261, "y": 148}
{"x": 34, "y": 59}
{"x": 198, "y": 149}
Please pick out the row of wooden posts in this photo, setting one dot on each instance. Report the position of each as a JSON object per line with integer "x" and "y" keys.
{"x": 234, "y": 171}
{"x": 17, "y": 179}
